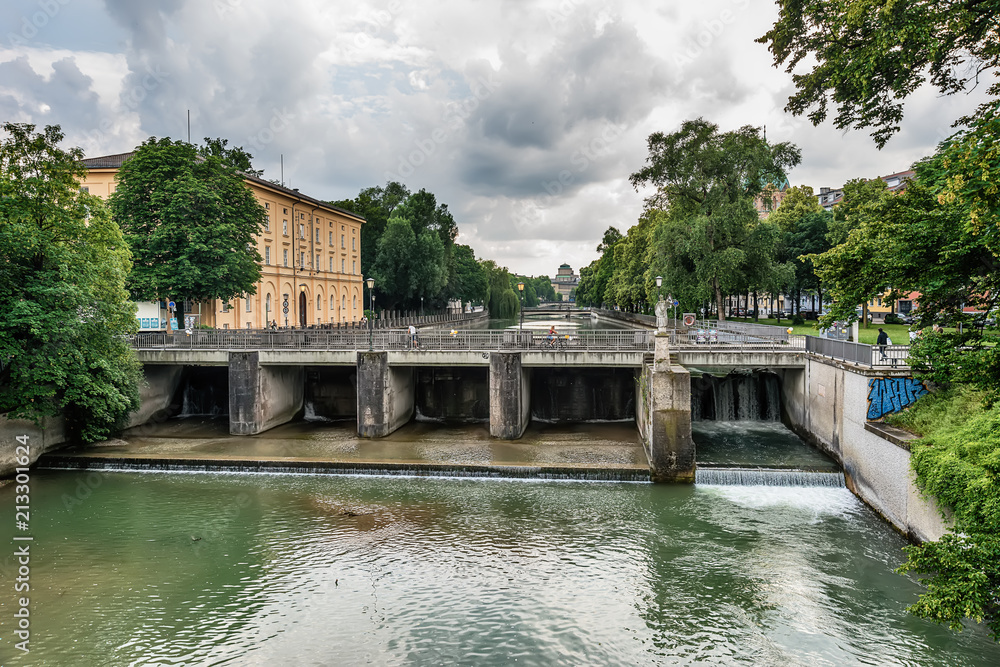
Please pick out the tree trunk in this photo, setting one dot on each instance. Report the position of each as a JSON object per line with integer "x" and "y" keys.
{"x": 864, "y": 314}
{"x": 720, "y": 307}
{"x": 755, "y": 317}
{"x": 179, "y": 310}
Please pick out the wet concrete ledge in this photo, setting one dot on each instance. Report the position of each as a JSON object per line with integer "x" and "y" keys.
{"x": 896, "y": 436}
{"x": 610, "y": 473}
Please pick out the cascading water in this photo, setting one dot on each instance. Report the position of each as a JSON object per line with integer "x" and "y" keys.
{"x": 767, "y": 477}
{"x": 736, "y": 397}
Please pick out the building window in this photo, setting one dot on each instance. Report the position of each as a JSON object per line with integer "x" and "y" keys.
{"x": 342, "y": 267}
{"x": 248, "y": 301}
{"x": 331, "y": 265}
{"x": 286, "y": 256}
{"x": 284, "y": 227}
{"x": 267, "y": 223}
{"x": 225, "y": 306}
{"x": 225, "y": 326}
{"x": 317, "y": 235}
{"x": 342, "y": 243}
{"x": 249, "y": 325}
{"x": 354, "y": 267}
{"x": 341, "y": 228}
{"x": 319, "y": 303}
{"x": 331, "y": 238}
{"x": 331, "y": 302}
{"x": 302, "y": 216}
{"x": 267, "y": 308}
{"x": 317, "y": 265}
{"x": 267, "y": 255}
{"x": 302, "y": 231}
{"x": 343, "y": 302}
{"x": 353, "y": 244}
{"x": 355, "y": 300}
{"x": 267, "y": 205}
{"x": 285, "y": 211}
{"x": 302, "y": 260}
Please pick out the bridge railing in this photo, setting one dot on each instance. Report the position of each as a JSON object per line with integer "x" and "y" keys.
{"x": 392, "y": 339}
{"x": 859, "y": 353}
{"x": 762, "y": 331}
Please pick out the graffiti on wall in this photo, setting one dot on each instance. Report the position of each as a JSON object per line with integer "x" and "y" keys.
{"x": 886, "y": 395}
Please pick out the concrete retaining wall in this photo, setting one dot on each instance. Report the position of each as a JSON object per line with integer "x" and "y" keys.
{"x": 156, "y": 393}
{"x": 40, "y": 440}
{"x": 828, "y": 405}
{"x": 385, "y": 395}
{"x": 510, "y": 396}
{"x": 262, "y": 397}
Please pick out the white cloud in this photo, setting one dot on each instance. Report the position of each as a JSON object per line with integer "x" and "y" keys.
{"x": 525, "y": 118}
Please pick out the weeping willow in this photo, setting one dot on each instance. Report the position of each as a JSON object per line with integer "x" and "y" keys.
{"x": 506, "y": 305}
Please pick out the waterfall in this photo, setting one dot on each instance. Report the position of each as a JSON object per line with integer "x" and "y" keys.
{"x": 766, "y": 477}
{"x": 739, "y": 396}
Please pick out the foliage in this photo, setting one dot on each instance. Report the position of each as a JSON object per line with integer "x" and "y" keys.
{"x": 799, "y": 201}
{"x": 706, "y": 185}
{"x": 631, "y": 282}
{"x": 469, "y": 279}
{"x": 501, "y": 300}
{"x": 191, "y": 223}
{"x": 594, "y": 278}
{"x": 408, "y": 266}
{"x": 64, "y": 309}
{"x": 235, "y": 157}
{"x": 434, "y": 230}
{"x": 892, "y": 318}
{"x": 867, "y": 56}
{"x": 957, "y": 462}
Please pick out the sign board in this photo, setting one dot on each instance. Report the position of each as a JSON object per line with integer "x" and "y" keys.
{"x": 171, "y": 305}
{"x": 173, "y": 323}
{"x": 285, "y": 310}
{"x": 689, "y": 319}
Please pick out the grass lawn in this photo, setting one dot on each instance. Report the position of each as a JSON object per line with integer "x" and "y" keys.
{"x": 899, "y": 334}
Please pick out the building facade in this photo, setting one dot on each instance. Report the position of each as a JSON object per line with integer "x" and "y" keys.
{"x": 311, "y": 255}
{"x": 565, "y": 281}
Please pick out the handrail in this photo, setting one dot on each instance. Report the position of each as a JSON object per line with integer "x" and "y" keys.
{"x": 860, "y": 353}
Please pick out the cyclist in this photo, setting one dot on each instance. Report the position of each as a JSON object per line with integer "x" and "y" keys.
{"x": 550, "y": 339}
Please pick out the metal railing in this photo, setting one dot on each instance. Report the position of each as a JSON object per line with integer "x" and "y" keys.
{"x": 859, "y": 353}
{"x": 393, "y": 339}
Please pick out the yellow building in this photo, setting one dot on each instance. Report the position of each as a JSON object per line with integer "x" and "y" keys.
{"x": 311, "y": 252}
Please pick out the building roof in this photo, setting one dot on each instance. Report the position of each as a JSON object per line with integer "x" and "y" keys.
{"x": 117, "y": 160}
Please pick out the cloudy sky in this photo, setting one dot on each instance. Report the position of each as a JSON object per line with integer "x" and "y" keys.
{"x": 525, "y": 117}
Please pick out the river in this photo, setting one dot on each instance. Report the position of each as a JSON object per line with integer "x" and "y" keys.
{"x": 256, "y": 569}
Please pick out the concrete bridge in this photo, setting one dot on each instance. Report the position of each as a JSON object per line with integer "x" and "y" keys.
{"x": 381, "y": 379}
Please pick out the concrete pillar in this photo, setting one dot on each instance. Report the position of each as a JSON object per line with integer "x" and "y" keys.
{"x": 668, "y": 430}
{"x": 156, "y": 393}
{"x": 262, "y": 397}
{"x": 385, "y": 395}
{"x": 510, "y": 396}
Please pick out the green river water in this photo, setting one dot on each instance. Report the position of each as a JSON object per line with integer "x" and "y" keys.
{"x": 253, "y": 569}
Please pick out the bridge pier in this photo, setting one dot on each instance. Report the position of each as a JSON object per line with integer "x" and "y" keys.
{"x": 385, "y": 395}
{"x": 262, "y": 397}
{"x": 664, "y": 417}
{"x": 510, "y": 396}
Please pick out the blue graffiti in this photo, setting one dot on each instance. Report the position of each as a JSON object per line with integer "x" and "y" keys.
{"x": 886, "y": 395}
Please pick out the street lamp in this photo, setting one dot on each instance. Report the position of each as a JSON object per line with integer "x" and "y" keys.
{"x": 520, "y": 290}
{"x": 421, "y": 306}
{"x": 371, "y": 310}
{"x": 302, "y": 310}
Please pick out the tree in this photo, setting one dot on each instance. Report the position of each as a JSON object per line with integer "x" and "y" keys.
{"x": 594, "y": 278}
{"x": 502, "y": 302}
{"x": 799, "y": 201}
{"x": 376, "y": 205}
{"x": 235, "y": 157}
{"x": 809, "y": 237}
{"x": 191, "y": 223}
{"x": 64, "y": 310}
{"x": 706, "y": 183}
{"x": 469, "y": 282}
{"x": 870, "y": 55}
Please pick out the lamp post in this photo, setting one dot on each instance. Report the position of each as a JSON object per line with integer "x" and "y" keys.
{"x": 421, "y": 306}
{"x": 520, "y": 290}
{"x": 371, "y": 310}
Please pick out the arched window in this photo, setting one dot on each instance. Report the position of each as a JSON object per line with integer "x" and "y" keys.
{"x": 331, "y": 302}
{"x": 355, "y": 301}
{"x": 343, "y": 301}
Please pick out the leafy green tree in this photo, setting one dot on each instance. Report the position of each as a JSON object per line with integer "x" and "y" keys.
{"x": 235, "y": 157}
{"x": 799, "y": 201}
{"x": 502, "y": 302}
{"x": 376, "y": 205}
{"x": 809, "y": 237}
{"x": 469, "y": 280}
{"x": 630, "y": 284}
{"x": 191, "y": 223}
{"x": 868, "y": 56}
{"x": 64, "y": 310}
{"x": 594, "y": 278}
{"x": 706, "y": 183}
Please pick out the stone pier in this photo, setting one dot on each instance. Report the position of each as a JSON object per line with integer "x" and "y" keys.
{"x": 664, "y": 417}
{"x": 385, "y": 395}
{"x": 262, "y": 397}
{"x": 510, "y": 396}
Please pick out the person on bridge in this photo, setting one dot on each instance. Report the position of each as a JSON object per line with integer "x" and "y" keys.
{"x": 413, "y": 336}
{"x": 551, "y": 337}
{"x": 882, "y": 341}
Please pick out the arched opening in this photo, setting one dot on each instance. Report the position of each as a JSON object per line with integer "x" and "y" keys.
{"x": 302, "y": 309}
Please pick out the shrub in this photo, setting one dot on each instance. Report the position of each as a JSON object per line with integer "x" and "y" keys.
{"x": 893, "y": 318}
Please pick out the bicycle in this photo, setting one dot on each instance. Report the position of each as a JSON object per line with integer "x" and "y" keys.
{"x": 557, "y": 343}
